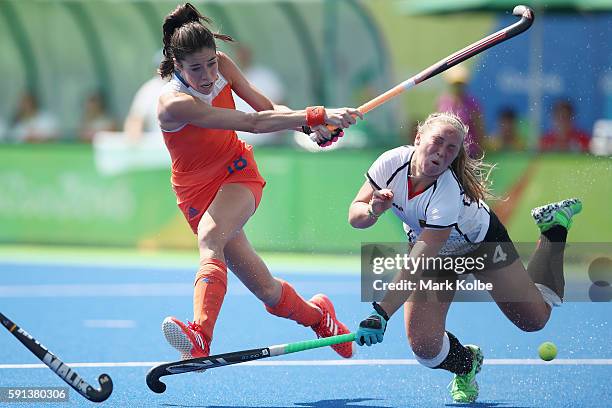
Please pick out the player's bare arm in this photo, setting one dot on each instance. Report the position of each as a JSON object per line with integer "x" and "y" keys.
{"x": 177, "y": 109}
{"x": 368, "y": 205}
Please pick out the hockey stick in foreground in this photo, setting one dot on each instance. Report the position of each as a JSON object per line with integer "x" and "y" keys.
{"x": 56, "y": 365}
{"x": 220, "y": 360}
{"x": 527, "y": 17}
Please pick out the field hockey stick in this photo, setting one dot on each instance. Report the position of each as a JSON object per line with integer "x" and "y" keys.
{"x": 527, "y": 17}
{"x": 220, "y": 360}
{"x": 59, "y": 367}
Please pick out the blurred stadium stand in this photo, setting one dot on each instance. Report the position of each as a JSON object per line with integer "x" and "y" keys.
{"x": 324, "y": 51}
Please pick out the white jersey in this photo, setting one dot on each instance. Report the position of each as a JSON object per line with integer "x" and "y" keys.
{"x": 176, "y": 84}
{"x": 441, "y": 205}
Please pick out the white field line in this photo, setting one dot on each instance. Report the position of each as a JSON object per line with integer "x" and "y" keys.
{"x": 87, "y": 290}
{"x": 109, "y": 324}
{"x": 374, "y": 362}
{"x": 185, "y": 264}
{"x": 147, "y": 289}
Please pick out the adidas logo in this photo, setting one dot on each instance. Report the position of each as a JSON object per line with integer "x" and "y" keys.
{"x": 193, "y": 212}
{"x": 331, "y": 325}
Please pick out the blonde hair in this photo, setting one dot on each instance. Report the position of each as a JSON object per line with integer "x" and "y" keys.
{"x": 473, "y": 174}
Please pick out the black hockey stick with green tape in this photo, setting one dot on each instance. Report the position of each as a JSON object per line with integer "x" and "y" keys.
{"x": 221, "y": 360}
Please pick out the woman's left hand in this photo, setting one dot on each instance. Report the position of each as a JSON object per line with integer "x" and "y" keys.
{"x": 381, "y": 200}
{"x": 372, "y": 329}
{"x": 324, "y": 137}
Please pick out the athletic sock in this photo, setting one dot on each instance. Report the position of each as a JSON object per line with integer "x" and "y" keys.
{"x": 556, "y": 234}
{"x": 546, "y": 264}
{"x": 459, "y": 359}
{"x": 438, "y": 359}
{"x": 209, "y": 292}
{"x": 292, "y": 306}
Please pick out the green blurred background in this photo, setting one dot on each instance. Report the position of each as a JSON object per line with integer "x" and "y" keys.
{"x": 326, "y": 52}
{"x": 54, "y": 195}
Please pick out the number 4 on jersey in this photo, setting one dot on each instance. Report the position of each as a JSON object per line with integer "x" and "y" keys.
{"x": 499, "y": 255}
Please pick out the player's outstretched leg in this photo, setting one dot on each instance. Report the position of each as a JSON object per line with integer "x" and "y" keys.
{"x": 187, "y": 339}
{"x": 193, "y": 340}
{"x": 546, "y": 265}
{"x": 329, "y": 325}
{"x": 318, "y": 313}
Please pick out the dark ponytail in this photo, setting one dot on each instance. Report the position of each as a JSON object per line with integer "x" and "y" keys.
{"x": 185, "y": 32}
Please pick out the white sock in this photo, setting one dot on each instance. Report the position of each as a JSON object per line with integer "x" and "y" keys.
{"x": 437, "y": 360}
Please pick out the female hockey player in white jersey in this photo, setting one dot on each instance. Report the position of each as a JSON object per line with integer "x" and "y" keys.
{"x": 438, "y": 192}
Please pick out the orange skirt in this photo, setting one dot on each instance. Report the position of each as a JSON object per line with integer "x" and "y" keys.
{"x": 194, "y": 198}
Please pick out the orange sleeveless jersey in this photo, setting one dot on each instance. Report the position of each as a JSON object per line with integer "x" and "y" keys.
{"x": 205, "y": 159}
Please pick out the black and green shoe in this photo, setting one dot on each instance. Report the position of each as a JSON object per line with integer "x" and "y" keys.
{"x": 464, "y": 388}
{"x": 560, "y": 213}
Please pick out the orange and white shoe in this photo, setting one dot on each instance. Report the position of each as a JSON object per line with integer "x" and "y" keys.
{"x": 331, "y": 326}
{"x": 187, "y": 339}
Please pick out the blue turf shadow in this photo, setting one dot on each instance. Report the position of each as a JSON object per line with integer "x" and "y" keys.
{"x": 487, "y": 404}
{"x": 338, "y": 403}
{"x": 332, "y": 403}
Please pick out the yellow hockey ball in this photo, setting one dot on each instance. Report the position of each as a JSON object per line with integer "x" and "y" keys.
{"x": 547, "y": 351}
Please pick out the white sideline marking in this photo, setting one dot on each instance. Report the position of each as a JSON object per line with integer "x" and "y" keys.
{"x": 286, "y": 363}
{"x": 80, "y": 290}
{"x": 109, "y": 324}
{"x": 148, "y": 289}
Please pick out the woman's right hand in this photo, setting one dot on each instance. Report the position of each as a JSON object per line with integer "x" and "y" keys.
{"x": 381, "y": 200}
{"x": 342, "y": 117}
{"x": 335, "y": 118}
